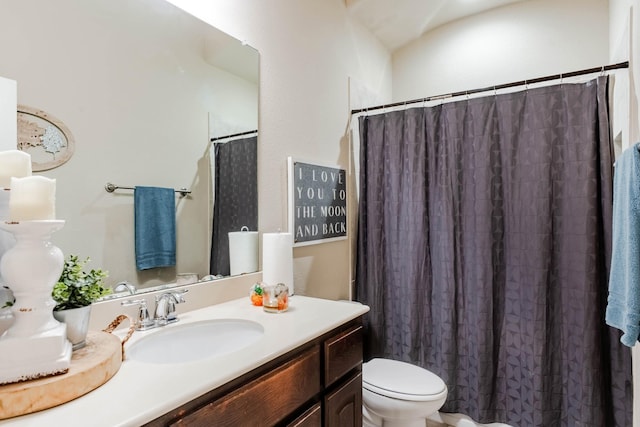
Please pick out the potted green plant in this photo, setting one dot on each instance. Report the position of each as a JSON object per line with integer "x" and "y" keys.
{"x": 74, "y": 293}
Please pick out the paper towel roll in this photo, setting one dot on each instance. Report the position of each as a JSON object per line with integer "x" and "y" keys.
{"x": 277, "y": 259}
{"x": 243, "y": 252}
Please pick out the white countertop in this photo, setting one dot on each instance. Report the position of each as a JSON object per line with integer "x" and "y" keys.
{"x": 140, "y": 392}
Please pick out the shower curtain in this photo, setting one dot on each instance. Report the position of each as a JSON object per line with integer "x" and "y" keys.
{"x": 235, "y": 202}
{"x": 483, "y": 251}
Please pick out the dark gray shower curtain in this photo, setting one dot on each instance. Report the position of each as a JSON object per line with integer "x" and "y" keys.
{"x": 235, "y": 196}
{"x": 483, "y": 250}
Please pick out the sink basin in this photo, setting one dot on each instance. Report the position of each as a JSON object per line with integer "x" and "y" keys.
{"x": 195, "y": 341}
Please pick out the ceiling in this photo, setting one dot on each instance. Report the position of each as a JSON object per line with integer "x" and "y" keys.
{"x": 397, "y": 22}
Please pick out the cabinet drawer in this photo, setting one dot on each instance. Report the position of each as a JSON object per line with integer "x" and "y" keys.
{"x": 342, "y": 353}
{"x": 267, "y": 399}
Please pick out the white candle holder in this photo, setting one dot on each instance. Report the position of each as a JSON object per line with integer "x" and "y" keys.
{"x": 36, "y": 344}
{"x": 6, "y": 242}
{"x": 6, "y": 239}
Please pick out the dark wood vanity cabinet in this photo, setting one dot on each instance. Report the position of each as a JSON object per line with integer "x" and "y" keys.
{"x": 317, "y": 384}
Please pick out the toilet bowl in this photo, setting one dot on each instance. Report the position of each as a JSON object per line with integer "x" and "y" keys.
{"x": 396, "y": 393}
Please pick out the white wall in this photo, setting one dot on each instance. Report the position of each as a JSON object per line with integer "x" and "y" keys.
{"x": 524, "y": 40}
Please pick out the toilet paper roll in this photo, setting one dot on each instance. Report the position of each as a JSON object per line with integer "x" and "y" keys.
{"x": 277, "y": 259}
{"x": 243, "y": 252}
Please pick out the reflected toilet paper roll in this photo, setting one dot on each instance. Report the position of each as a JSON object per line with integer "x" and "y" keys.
{"x": 277, "y": 259}
{"x": 243, "y": 252}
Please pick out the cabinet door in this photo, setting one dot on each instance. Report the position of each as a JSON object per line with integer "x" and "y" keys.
{"x": 311, "y": 418}
{"x": 342, "y": 353}
{"x": 343, "y": 406}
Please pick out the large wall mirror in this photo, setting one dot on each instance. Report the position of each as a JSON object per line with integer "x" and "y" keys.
{"x": 143, "y": 87}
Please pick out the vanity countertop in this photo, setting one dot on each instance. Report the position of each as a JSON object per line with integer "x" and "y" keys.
{"x": 140, "y": 392}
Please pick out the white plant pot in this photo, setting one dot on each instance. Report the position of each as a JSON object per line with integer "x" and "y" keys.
{"x": 77, "y": 321}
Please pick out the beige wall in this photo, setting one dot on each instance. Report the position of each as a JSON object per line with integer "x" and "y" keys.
{"x": 520, "y": 41}
{"x": 308, "y": 52}
{"x": 8, "y": 96}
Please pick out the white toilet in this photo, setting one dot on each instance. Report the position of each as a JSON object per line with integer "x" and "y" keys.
{"x": 399, "y": 394}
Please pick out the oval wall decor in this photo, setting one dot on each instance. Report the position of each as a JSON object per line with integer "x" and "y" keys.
{"x": 48, "y": 141}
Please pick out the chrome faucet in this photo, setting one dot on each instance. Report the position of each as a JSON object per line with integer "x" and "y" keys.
{"x": 166, "y": 307}
{"x": 165, "y": 311}
{"x": 125, "y": 286}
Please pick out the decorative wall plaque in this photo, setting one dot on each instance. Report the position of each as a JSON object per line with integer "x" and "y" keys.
{"x": 48, "y": 141}
{"x": 317, "y": 203}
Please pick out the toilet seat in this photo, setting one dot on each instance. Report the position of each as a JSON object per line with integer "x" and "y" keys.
{"x": 401, "y": 380}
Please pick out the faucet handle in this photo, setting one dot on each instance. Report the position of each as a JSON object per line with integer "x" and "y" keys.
{"x": 166, "y": 306}
{"x": 178, "y": 298}
{"x": 144, "y": 320}
{"x": 179, "y": 295}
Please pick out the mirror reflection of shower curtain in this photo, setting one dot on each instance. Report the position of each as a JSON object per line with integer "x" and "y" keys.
{"x": 235, "y": 196}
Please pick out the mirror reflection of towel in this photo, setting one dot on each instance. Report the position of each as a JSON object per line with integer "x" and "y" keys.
{"x": 155, "y": 227}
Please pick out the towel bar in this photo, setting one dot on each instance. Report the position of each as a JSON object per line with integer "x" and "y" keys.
{"x": 110, "y": 188}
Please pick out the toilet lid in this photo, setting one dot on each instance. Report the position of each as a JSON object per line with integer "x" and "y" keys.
{"x": 401, "y": 380}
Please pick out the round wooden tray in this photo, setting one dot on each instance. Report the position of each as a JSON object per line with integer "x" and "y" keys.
{"x": 91, "y": 366}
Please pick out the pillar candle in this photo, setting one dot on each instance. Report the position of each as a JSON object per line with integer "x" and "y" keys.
{"x": 277, "y": 259}
{"x": 13, "y": 163}
{"x": 32, "y": 198}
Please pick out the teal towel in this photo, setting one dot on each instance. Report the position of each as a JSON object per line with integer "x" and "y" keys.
{"x": 155, "y": 227}
{"x": 623, "y": 303}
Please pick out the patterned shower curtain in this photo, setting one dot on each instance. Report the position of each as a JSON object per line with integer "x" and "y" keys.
{"x": 235, "y": 202}
{"x": 483, "y": 252}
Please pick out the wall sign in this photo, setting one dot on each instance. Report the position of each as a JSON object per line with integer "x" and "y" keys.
{"x": 47, "y": 139}
{"x": 317, "y": 203}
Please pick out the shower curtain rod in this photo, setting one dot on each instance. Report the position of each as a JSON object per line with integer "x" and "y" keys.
{"x": 249, "y": 132}
{"x": 496, "y": 87}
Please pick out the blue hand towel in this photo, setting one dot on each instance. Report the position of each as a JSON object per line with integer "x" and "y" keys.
{"x": 623, "y": 304}
{"x": 155, "y": 227}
